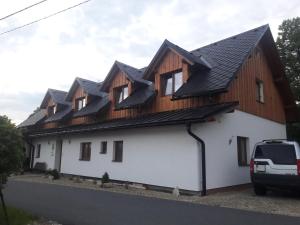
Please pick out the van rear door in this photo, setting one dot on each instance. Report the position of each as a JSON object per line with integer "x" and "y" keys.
{"x": 275, "y": 158}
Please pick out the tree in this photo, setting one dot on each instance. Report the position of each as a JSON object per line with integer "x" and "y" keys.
{"x": 11, "y": 154}
{"x": 288, "y": 44}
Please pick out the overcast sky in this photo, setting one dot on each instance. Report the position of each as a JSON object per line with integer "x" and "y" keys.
{"x": 85, "y": 41}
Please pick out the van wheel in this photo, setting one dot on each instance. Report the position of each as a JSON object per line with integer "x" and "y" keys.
{"x": 260, "y": 190}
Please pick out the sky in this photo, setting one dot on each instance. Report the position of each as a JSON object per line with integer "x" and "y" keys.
{"x": 85, "y": 41}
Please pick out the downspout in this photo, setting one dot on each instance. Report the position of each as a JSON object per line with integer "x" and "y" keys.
{"x": 202, "y": 143}
{"x": 31, "y": 147}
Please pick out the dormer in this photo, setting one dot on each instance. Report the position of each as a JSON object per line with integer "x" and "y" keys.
{"x": 171, "y": 67}
{"x": 126, "y": 87}
{"x": 86, "y": 97}
{"x": 55, "y": 106}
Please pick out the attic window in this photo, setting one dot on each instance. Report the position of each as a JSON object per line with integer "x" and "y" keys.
{"x": 51, "y": 110}
{"x": 80, "y": 103}
{"x": 259, "y": 91}
{"x": 171, "y": 82}
{"x": 121, "y": 93}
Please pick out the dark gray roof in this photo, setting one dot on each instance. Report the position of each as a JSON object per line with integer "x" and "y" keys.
{"x": 133, "y": 74}
{"x": 62, "y": 114}
{"x": 94, "y": 107}
{"x": 182, "y": 116}
{"x": 57, "y": 96}
{"x": 225, "y": 57}
{"x": 139, "y": 97}
{"x": 90, "y": 87}
{"x": 34, "y": 119}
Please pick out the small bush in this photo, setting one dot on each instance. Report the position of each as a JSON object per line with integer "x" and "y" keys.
{"x": 105, "y": 178}
{"x": 53, "y": 173}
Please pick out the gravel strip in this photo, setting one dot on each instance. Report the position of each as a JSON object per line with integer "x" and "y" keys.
{"x": 274, "y": 203}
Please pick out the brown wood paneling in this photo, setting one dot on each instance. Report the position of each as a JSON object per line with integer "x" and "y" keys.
{"x": 79, "y": 93}
{"x": 243, "y": 89}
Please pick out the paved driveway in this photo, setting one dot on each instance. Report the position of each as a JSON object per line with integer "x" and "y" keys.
{"x": 74, "y": 206}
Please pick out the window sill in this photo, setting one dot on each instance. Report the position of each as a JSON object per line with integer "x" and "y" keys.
{"x": 260, "y": 102}
{"x": 116, "y": 161}
{"x": 85, "y": 160}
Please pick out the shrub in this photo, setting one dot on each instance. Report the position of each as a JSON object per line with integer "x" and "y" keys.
{"x": 53, "y": 173}
{"x": 105, "y": 178}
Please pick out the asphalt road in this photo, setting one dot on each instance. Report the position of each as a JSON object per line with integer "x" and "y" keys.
{"x": 74, "y": 206}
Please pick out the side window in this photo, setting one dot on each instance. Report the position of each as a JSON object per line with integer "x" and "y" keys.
{"x": 170, "y": 83}
{"x": 121, "y": 93}
{"x": 85, "y": 151}
{"x": 51, "y": 110}
{"x": 38, "y": 151}
{"x": 118, "y": 151}
{"x": 243, "y": 151}
{"x": 103, "y": 149}
{"x": 80, "y": 103}
{"x": 259, "y": 91}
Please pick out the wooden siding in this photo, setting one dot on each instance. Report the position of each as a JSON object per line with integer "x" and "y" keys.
{"x": 119, "y": 80}
{"x": 79, "y": 93}
{"x": 243, "y": 89}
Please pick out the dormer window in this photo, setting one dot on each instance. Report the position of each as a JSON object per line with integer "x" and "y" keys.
{"x": 80, "y": 103}
{"x": 51, "y": 110}
{"x": 121, "y": 93}
{"x": 171, "y": 82}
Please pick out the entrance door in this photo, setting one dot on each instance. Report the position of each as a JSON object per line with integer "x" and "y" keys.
{"x": 58, "y": 152}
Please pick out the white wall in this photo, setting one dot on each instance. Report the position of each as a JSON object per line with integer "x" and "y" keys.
{"x": 164, "y": 156}
{"x": 48, "y": 146}
{"x": 168, "y": 156}
{"x": 221, "y": 156}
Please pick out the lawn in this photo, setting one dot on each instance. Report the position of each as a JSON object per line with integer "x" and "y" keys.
{"x": 17, "y": 217}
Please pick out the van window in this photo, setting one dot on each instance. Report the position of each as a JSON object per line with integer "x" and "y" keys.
{"x": 283, "y": 154}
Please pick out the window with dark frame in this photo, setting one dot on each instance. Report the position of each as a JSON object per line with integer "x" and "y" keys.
{"x": 51, "y": 110}
{"x": 118, "y": 151}
{"x": 171, "y": 83}
{"x": 38, "y": 151}
{"x": 85, "y": 151}
{"x": 80, "y": 103}
{"x": 103, "y": 149}
{"x": 243, "y": 151}
{"x": 259, "y": 91}
{"x": 121, "y": 93}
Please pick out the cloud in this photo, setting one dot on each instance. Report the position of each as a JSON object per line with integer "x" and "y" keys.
{"x": 85, "y": 41}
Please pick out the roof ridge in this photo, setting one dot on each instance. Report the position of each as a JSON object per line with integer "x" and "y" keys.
{"x": 52, "y": 89}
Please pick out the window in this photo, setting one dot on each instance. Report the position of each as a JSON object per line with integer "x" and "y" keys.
{"x": 171, "y": 83}
{"x": 121, "y": 93}
{"x": 259, "y": 91}
{"x": 80, "y": 103}
{"x": 118, "y": 151}
{"x": 103, "y": 149}
{"x": 38, "y": 151}
{"x": 85, "y": 151}
{"x": 243, "y": 151}
{"x": 51, "y": 110}
{"x": 283, "y": 154}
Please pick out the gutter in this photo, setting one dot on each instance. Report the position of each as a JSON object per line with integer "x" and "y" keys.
{"x": 202, "y": 143}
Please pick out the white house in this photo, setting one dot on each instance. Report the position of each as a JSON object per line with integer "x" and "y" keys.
{"x": 189, "y": 119}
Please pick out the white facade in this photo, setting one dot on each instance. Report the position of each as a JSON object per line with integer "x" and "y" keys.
{"x": 167, "y": 156}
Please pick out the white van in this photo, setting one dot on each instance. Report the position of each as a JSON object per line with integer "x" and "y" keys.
{"x": 275, "y": 163}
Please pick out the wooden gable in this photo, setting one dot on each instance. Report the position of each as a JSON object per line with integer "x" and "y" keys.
{"x": 118, "y": 80}
{"x": 243, "y": 89}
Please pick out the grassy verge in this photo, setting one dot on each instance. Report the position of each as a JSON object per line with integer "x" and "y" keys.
{"x": 17, "y": 217}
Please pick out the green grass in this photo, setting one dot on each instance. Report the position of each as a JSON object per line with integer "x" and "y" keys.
{"x": 16, "y": 217}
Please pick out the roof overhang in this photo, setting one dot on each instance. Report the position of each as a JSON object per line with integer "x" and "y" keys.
{"x": 176, "y": 117}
